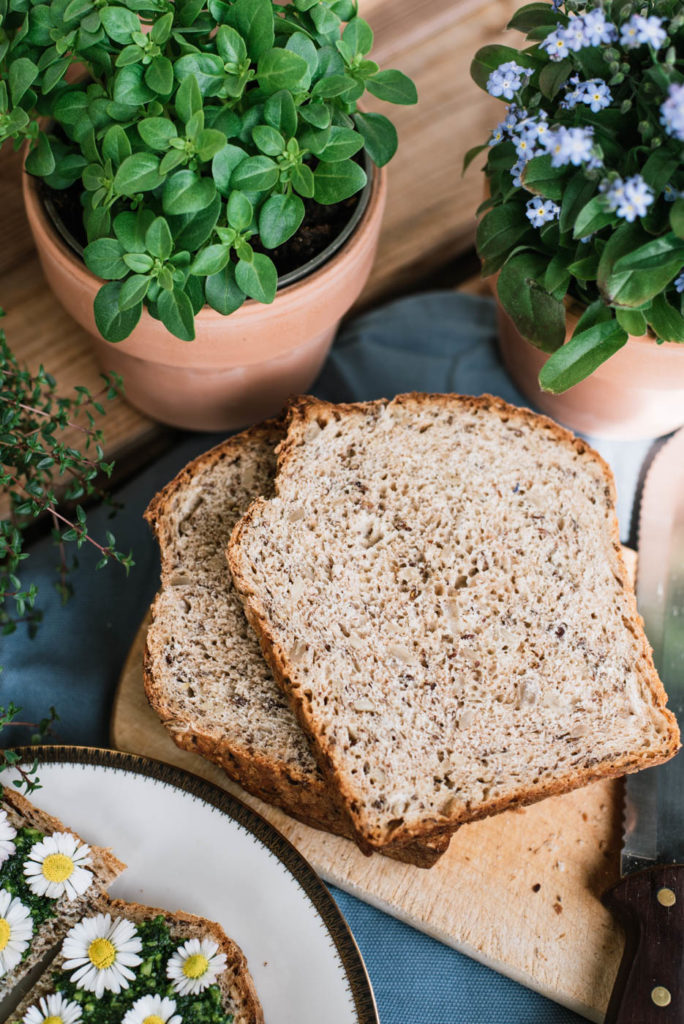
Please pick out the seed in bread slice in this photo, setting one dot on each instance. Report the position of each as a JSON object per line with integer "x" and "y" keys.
{"x": 205, "y": 675}
{"x": 439, "y": 587}
{"x": 48, "y": 879}
{"x": 133, "y": 957}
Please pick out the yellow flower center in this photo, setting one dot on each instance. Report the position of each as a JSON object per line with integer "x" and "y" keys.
{"x": 5, "y": 932}
{"x": 52, "y": 1020}
{"x": 57, "y": 867}
{"x": 153, "y": 1019}
{"x": 195, "y": 966}
{"x": 102, "y": 953}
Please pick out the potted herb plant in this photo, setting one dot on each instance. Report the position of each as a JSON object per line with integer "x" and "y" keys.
{"x": 215, "y": 181}
{"x": 584, "y": 218}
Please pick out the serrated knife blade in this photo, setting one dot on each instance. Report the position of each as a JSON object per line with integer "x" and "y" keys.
{"x": 649, "y": 900}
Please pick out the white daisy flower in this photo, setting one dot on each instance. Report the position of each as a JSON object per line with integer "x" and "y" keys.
{"x": 56, "y": 867}
{"x": 16, "y": 929}
{"x": 101, "y": 952}
{"x": 195, "y": 965}
{"x": 153, "y": 1010}
{"x": 7, "y": 834}
{"x": 53, "y": 1009}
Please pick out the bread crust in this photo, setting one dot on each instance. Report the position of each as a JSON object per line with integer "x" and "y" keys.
{"x": 299, "y": 793}
{"x": 300, "y": 414}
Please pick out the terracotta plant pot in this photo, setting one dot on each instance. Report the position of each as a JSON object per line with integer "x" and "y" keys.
{"x": 637, "y": 393}
{"x": 240, "y": 368}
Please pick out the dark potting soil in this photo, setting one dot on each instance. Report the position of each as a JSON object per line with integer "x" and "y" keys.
{"x": 320, "y": 227}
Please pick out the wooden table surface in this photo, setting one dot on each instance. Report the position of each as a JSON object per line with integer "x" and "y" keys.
{"x": 430, "y": 219}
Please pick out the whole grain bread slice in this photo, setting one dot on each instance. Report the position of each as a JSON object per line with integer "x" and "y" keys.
{"x": 105, "y": 867}
{"x": 204, "y": 672}
{"x": 439, "y": 588}
{"x": 238, "y": 993}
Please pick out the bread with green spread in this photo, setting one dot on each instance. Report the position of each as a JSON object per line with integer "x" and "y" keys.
{"x": 439, "y": 588}
{"x": 49, "y": 877}
{"x": 130, "y": 964}
{"x": 205, "y": 675}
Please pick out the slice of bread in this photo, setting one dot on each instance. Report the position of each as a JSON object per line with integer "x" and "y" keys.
{"x": 237, "y": 993}
{"x": 31, "y": 825}
{"x": 205, "y": 675}
{"x": 439, "y": 588}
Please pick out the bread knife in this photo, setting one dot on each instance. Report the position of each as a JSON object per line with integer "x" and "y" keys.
{"x": 649, "y": 898}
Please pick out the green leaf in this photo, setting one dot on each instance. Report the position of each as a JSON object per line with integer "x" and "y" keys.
{"x": 191, "y": 230}
{"x": 176, "y": 313}
{"x": 553, "y": 77}
{"x": 160, "y": 33}
{"x": 115, "y": 144}
{"x": 300, "y": 44}
{"x": 138, "y": 262}
{"x": 223, "y": 165}
{"x": 316, "y": 114}
{"x": 677, "y": 217}
{"x": 342, "y": 143}
{"x": 582, "y": 354}
{"x": 186, "y": 192}
{"x": 659, "y": 168}
{"x": 281, "y": 69}
{"x": 188, "y": 99}
{"x": 41, "y": 161}
{"x": 393, "y": 86}
{"x": 337, "y": 181}
{"x": 632, "y": 320}
{"x": 471, "y": 154}
{"x": 257, "y": 278}
{"x": 206, "y": 68}
{"x": 138, "y": 173}
{"x": 133, "y": 291}
{"x": 119, "y": 23}
{"x": 379, "y": 136}
{"x": 254, "y": 20}
{"x": 104, "y": 258}
{"x": 129, "y": 88}
{"x": 557, "y": 275}
{"x": 158, "y": 239}
{"x": 222, "y": 291}
{"x": 500, "y": 229}
{"x": 255, "y": 174}
{"x": 576, "y": 195}
{"x": 542, "y": 179}
{"x": 634, "y": 268}
{"x": 208, "y": 143}
{"x": 22, "y": 74}
{"x": 585, "y": 269}
{"x": 279, "y": 218}
{"x": 130, "y": 229}
{"x": 303, "y": 180}
{"x": 488, "y": 59}
{"x": 210, "y": 260}
{"x": 280, "y": 113}
{"x": 231, "y": 45}
{"x": 538, "y": 315}
{"x": 239, "y": 211}
{"x": 54, "y": 74}
{"x": 326, "y": 21}
{"x": 533, "y": 15}
{"x": 159, "y": 76}
{"x": 593, "y": 216}
{"x": 113, "y": 323}
{"x": 156, "y": 132}
{"x": 666, "y": 321}
{"x": 358, "y": 35}
{"x": 268, "y": 140}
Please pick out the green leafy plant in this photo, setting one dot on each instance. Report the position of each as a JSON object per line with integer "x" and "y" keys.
{"x": 43, "y": 474}
{"x": 197, "y": 130}
{"x": 586, "y": 178}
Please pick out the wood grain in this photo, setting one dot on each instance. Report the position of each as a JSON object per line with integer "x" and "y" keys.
{"x": 521, "y": 892}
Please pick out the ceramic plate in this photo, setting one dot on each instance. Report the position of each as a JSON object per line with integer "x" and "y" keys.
{"x": 191, "y": 846}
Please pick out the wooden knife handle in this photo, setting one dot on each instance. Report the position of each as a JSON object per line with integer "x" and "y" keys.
{"x": 649, "y": 988}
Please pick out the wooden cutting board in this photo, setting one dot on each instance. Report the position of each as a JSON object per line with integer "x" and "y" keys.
{"x": 520, "y": 892}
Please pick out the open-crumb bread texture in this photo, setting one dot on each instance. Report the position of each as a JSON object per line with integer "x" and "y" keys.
{"x": 205, "y": 675}
{"x": 439, "y": 588}
{"x": 21, "y": 813}
{"x": 237, "y": 987}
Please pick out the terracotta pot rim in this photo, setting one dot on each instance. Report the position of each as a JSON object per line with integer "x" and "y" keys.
{"x": 291, "y": 294}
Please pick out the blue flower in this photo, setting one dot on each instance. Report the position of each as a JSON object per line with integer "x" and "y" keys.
{"x": 541, "y": 211}
{"x": 516, "y": 170}
{"x": 507, "y": 79}
{"x": 638, "y": 31}
{"x": 597, "y": 30}
{"x": 672, "y": 112}
{"x": 629, "y": 199}
{"x": 679, "y": 282}
{"x": 555, "y": 44}
{"x": 569, "y": 146}
{"x": 670, "y": 193}
{"x": 596, "y": 94}
{"x": 589, "y": 29}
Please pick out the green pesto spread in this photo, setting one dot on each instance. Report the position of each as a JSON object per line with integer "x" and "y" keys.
{"x": 12, "y": 878}
{"x": 150, "y": 979}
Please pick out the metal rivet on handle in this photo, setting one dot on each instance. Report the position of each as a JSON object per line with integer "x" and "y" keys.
{"x": 661, "y": 996}
{"x": 666, "y": 897}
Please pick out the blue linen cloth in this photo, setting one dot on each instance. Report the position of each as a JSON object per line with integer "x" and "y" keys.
{"x": 441, "y": 341}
